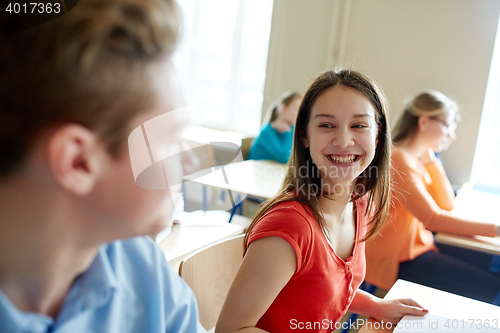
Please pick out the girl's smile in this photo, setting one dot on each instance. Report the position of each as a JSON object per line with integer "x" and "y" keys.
{"x": 344, "y": 159}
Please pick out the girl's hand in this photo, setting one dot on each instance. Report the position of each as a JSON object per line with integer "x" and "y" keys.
{"x": 391, "y": 311}
{"x": 427, "y": 157}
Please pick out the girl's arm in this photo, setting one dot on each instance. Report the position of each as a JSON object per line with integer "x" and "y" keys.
{"x": 411, "y": 192}
{"x": 389, "y": 311}
{"x": 266, "y": 268}
{"x": 441, "y": 189}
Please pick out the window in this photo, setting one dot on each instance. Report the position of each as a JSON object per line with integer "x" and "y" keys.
{"x": 222, "y": 60}
{"x": 486, "y": 165}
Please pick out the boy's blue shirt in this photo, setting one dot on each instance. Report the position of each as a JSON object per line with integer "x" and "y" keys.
{"x": 272, "y": 145}
{"x": 129, "y": 287}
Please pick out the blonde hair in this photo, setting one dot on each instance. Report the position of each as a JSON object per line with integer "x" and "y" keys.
{"x": 287, "y": 98}
{"x": 430, "y": 103}
{"x": 88, "y": 66}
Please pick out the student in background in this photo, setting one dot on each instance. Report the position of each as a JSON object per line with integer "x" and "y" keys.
{"x": 305, "y": 256}
{"x": 71, "y": 91}
{"x": 422, "y": 201}
{"x": 275, "y": 139}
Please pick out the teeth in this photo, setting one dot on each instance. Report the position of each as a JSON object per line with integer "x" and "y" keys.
{"x": 343, "y": 159}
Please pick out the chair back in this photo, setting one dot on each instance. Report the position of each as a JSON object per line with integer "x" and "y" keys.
{"x": 209, "y": 272}
{"x": 246, "y": 144}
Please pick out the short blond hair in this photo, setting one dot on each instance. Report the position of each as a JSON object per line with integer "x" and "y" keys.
{"x": 87, "y": 67}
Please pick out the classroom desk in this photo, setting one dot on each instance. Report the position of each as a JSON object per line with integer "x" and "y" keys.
{"x": 438, "y": 303}
{"x": 204, "y": 135}
{"x": 476, "y": 243}
{"x": 261, "y": 179}
{"x": 477, "y": 206}
{"x": 195, "y": 232}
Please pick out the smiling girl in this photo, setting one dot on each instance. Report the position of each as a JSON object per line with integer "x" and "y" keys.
{"x": 305, "y": 250}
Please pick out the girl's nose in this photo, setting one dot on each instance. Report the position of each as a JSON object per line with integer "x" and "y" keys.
{"x": 343, "y": 139}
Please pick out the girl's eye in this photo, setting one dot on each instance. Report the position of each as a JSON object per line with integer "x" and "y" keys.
{"x": 359, "y": 126}
{"x": 326, "y": 125}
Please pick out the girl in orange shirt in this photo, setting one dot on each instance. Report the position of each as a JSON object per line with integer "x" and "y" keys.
{"x": 422, "y": 199}
{"x": 304, "y": 256}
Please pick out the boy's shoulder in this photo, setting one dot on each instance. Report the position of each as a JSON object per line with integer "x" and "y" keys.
{"x": 142, "y": 246}
{"x": 142, "y": 271}
{"x": 137, "y": 261}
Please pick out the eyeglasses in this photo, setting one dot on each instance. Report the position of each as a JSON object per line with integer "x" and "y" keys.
{"x": 447, "y": 128}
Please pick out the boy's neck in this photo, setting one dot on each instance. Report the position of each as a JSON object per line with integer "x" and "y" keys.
{"x": 39, "y": 258}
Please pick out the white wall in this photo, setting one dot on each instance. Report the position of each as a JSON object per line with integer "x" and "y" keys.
{"x": 405, "y": 45}
{"x": 298, "y": 45}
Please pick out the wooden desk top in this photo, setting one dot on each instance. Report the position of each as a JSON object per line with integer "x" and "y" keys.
{"x": 439, "y": 303}
{"x": 260, "y": 179}
{"x": 194, "y": 233}
{"x": 204, "y": 135}
{"x": 477, "y": 206}
{"x": 477, "y": 243}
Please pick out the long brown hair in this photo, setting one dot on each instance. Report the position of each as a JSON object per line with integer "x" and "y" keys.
{"x": 377, "y": 186}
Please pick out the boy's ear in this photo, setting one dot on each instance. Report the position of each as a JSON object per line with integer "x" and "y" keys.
{"x": 75, "y": 156}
